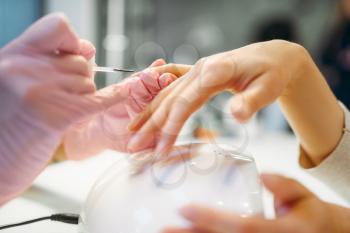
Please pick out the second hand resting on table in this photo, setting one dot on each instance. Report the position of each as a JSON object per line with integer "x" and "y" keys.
{"x": 258, "y": 74}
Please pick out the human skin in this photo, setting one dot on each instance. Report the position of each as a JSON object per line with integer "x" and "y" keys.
{"x": 258, "y": 74}
{"x": 297, "y": 210}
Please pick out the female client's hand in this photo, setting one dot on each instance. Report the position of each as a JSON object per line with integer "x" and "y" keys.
{"x": 297, "y": 209}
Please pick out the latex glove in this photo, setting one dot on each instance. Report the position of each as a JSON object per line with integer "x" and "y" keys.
{"x": 108, "y": 130}
{"x": 297, "y": 209}
{"x": 44, "y": 87}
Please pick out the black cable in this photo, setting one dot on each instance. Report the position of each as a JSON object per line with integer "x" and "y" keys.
{"x": 65, "y": 218}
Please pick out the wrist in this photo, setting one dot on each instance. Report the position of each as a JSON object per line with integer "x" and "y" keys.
{"x": 311, "y": 108}
{"x": 301, "y": 66}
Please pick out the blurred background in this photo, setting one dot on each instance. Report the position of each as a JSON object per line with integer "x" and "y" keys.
{"x": 132, "y": 33}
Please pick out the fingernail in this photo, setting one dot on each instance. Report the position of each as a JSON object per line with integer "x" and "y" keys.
{"x": 133, "y": 142}
{"x": 269, "y": 178}
{"x": 189, "y": 212}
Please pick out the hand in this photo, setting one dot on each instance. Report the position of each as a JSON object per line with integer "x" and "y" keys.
{"x": 45, "y": 86}
{"x": 297, "y": 209}
{"x": 108, "y": 130}
{"x": 257, "y": 73}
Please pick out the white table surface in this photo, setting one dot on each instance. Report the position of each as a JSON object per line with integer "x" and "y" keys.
{"x": 63, "y": 187}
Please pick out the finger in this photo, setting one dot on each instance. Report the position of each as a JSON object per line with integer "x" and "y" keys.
{"x": 132, "y": 108}
{"x": 75, "y": 84}
{"x": 140, "y": 93}
{"x": 87, "y": 49}
{"x": 169, "y": 111}
{"x": 179, "y": 111}
{"x": 176, "y": 69}
{"x": 45, "y": 75}
{"x": 71, "y": 64}
{"x": 149, "y": 80}
{"x": 137, "y": 123}
{"x": 166, "y": 79}
{"x": 155, "y": 117}
{"x": 152, "y": 128}
{"x": 255, "y": 96}
{"x": 285, "y": 190}
{"x": 180, "y": 230}
{"x": 215, "y": 221}
{"x": 51, "y": 33}
{"x": 111, "y": 96}
{"x": 50, "y": 75}
{"x": 158, "y": 62}
{"x": 174, "y": 89}
{"x": 210, "y": 219}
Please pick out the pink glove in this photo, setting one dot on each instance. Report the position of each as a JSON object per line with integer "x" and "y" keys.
{"x": 44, "y": 88}
{"x": 108, "y": 130}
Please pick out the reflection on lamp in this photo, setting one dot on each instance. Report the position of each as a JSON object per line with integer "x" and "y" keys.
{"x": 143, "y": 192}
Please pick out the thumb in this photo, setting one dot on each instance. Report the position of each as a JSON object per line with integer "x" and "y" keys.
{"x": 52, "y": 33}
{"x": 158, "y": 62}
{"x": 286, "y": 191}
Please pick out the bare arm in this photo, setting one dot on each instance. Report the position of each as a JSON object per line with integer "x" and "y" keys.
{"x": 312, "y": 111}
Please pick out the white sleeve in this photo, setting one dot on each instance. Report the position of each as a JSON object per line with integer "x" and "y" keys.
{"x": 334, "y": 171}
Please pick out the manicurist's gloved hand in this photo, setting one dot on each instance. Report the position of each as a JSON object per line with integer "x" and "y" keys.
{"x": 45, "y": 87}
{"x": 108, "y": 130}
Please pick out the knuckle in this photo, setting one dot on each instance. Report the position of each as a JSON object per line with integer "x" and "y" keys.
{"x": 219, "y": 66}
